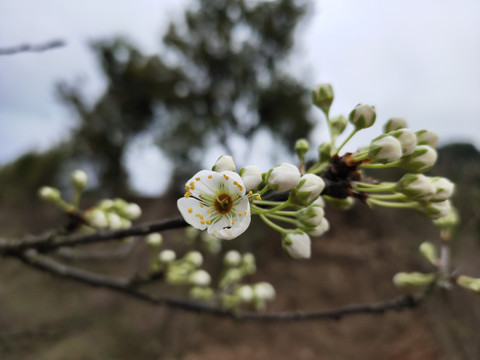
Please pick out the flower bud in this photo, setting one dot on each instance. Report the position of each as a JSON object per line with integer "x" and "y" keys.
{"x": 224, "y": 163}
{"x": 132, "y": 211}
{"x": 322, "y": 96}
{"x": 167, "y": 256}
{"x": 264, "y": 291}
{"x": 444, "y": 188}
{"x": 194, "y": 257}
{"x": 232, "y": 258}
{"x": 407, "y": 139}
{"x": 114, "y": 221}
{"x": 297, "y": 244}
{"x": 428, "y": 250}
{"x": 311, "y": 216}
{"x": 97, "y": 218}
{"x": 422, "y": 159}
{"x": 395, "y": 123}
{"x": 338, "y": 124}
{"x": 283, "y": 177}
{"x": 321, "y": 229}
{"x": 341, "y": 204}
{"x": 362, "y": 116}
{"x": 245, "y": 293}
{"x": 248, "y": 263}
{"x": 79, "y": 179}
{"x": 448, "y": 221}
{"x": 301, "y": 148}
{"x": 413, "y": 279}
{"x": 385, "y": 149}
{"x": 154, "y": 240}
{"x": 325, "y": 151}
{"x": 200, "y": 278}
{"x": 427, "y": 137}
{"x": 436, "y": 210}
{"x": 307, "y": 190}
{"x": 319, "y": 202}
{"x": 49, "y": 194}
{"x": 251, "y": 177}
{"x": 469, "y": 283}
{"x": 416, "y": 186}
{"x": 201, "y": 293}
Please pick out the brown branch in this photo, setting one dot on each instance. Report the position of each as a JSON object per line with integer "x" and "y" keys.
{"x": 51, "y": 241}
{"x": 128, "y": 287}
{"x": 53, "y": 44}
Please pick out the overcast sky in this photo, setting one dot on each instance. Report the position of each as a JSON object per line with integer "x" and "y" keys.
{"x": 419, "y": 59}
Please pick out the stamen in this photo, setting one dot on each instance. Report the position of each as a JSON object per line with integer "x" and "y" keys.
{"x": 197, "y": 178}
{"x": 210, "y": 176}
{"x": 187, "y": 194}
{"x": 250, "y": 193}
{"x": 259, "y": 197}
{"x": 225, "y": 176}
{"x": 202, "y": 222}
{"x": 245, "y": 212}
{"x": 208, "y": 222}
{"x": 209, "y": 211}
{"x": 201, "y": 205}
{"x": 233, "y": 222}
{"x": 190, "y": 210}
{"x": 187, "y": 188}
{"x": 240, "y": 214}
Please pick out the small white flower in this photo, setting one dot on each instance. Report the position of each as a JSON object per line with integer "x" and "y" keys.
{"x": 200, "y": 278}
{"x": 251, "y": 177}
{"x": 395, "y": 123}
{"x": 444, "y": 188}
{"x": 422, "y": 159}
{"x": 154, "y": 239}
{"x": 297, "y": 244}
{"x": 216, "y": 201}
{"x": 320, "y": 229}
{"x": 283, "y": 177}
{"x": 224, "y": 163}
{"x": 264, "y": 291}
{"x": 307, "y": 190}
{"x": 385, "y": 149}
{"x": 232, "y": 258}
{"x": 133, "y": 211}
{"x": 167, "y": 256}
{"x": 362, "y": 116}
{"x": 427, "y": 137}
{"x": 407, "y": 139}
{"x": 416, "y": 186}
{"x": 79, "y": 179}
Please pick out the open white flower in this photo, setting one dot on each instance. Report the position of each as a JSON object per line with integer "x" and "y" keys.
{"x": 216, "y": 201}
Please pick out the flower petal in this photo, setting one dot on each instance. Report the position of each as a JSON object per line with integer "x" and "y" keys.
{"x": 193, "y": 212}
{"x": 228, "y": 228}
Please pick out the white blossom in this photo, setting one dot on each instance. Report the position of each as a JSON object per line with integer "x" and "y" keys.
{"x": 395, "y": 123}
{"x": 308, "y": 189}
{"x": 251, "y": 177}
{"x": 444, "y": 188}
{"x": 297, "y": 244}
{"x": 362, "y": 116}
{"x": 283, "y": 177}
{"x": 422, "y": 159}
{"x": 427, "y": 137}
{"x": 407, "y": 139}
{"x": 320, "y": 229}
{"x": 224, "y": 163}
{"x": 216, "y": 201}
{"x": 416, "y": 186}
{"x": 385, "y": 149}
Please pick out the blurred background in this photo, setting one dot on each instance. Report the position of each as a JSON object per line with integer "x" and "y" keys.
{"x": 145, "y": 93}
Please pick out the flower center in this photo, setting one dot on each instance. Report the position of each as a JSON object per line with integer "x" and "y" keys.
{"x": 223, "y": 203}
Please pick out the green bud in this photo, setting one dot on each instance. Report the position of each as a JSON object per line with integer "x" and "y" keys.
{"x": 322, "y": 97}
{"x": 338, "y": 124}
{"x": 248, "y": 263}
{"x": 469, "y": 283}
{"x": 362, "y": 116}
{"x": 154, "y": 240}
{"x": 385, "y": 149}
{"x": 395, "y": 123}
{"x": 194, "y": 257}
{"x": 301, "y": 148}
{"x": 307, "y": 190}
{"x": 416, "y": 186}
{"x": 49, "y": 194}
{"x": 201, "y": 293}
{"x": 79, "y": 179}
{"x": 435, "y": 210}
{"x": 340, "y": 204}
{"x": 325, "y": 151}
{"x": 413, "y": 279}
{"x": 422, "y": 159}
{"x": 311, "y": 215}
{"x": 428, "y": 250}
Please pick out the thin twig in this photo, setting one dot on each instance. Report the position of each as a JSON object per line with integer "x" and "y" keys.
{"x": 127, "y": 287}
{"x": 53, "y": 44}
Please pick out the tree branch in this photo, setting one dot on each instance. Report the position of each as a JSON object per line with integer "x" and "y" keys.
{"x": 128, "y": 287}
{"x": 32, "y": 48}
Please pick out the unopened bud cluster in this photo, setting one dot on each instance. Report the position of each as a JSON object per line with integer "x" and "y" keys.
{"x": 113, "y": 214}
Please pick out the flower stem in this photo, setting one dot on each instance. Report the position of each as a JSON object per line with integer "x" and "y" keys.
{"x": 282, "y": 218}
{"x": 380, "y": 166}
{"x": 273, "y": 225}
{"x": 352, "y": 134}
{"x": 390, "y": 204}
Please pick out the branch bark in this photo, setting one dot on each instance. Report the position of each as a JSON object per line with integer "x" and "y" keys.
{"x": 53, "y": 44}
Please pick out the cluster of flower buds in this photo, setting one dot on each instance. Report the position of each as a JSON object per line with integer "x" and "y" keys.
{"x": 113, "y": 214}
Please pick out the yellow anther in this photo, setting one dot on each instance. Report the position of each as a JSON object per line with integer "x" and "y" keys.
{"x": 236, "y": 196}
{"x": 258, "y": 197}
{"x": 235, "y": 183}
{"x": 187, "y": 188}
{"x": 250, "y": 193}
{"x": 214, "y": 231}
{"x": 192, "y": 185}
{"x": 210, "y": 176}
{"x": 245, "y": 212}
{"x": 233, "y": 222}
{"x": 240, "y": 214}
{"x": 187, "y": 194}
{"x": 240, "y": 187}
{"x": 190, "y": 210}
{"x": 216, "y": 191}
{"x": 225, "y": 176}
{"x": 202, "y": 222}
{"x": 201, "y": 205}
{"x": 208, "y": 222}
{"x": 200, "y": 216}
{"x": 209, "y": 211}
{"x": 197, "y": 178}
{"x": 200, "y": 196}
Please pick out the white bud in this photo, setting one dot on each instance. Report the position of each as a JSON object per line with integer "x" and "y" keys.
{"x": 167, "y": 256}
{"x": 362, "y": 116}
{"x": 416, "y": 186}
{"x": 320, "y": 229}
{"x": 422, "y": 159}
{"x": 114, "y": 221}
{"x": 245, "y": 293}
{"x": 251, "y": 177}
{"x": 436, "y": 210}
{"x": 311, "y": 216}
{"x": 385, "y": 149}
{"x": 154, "y": 240}
{"x": 427, "y": 137}
{"x": 322, "y": 96}
{"x": 195, "y": 258}
{"x": 97, "y": 218}
{"x": 232, "y": 258}
{"x": 224, "y": 163}
{"x": 469, "y": 283}
{"x": 319, "y": 202}
{"x": 133, "y": 211}
{"x": 48, "y": 193}
{"x": 79, "y": 179}
{"x": 307, "y": 190}
{"x": 428, "y": 250}
{"x": 444, "y": 188}
{"x": 283, "y": 177}
{"x": 200, "y": 278}
{"x": 394, "y": 123}
{"x": 297, "y": 244}
{"x": 407, "y": 139}
{"x": 413, "y": 279}
{"x": 264, "y": 291}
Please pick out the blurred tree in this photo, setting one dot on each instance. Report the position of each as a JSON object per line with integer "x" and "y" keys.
{"x": 219, "y": 76}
